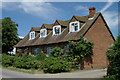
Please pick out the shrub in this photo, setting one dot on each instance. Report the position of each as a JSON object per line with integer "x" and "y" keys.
{"x": 113, "y": 55}
{"x": 79, "y": 49}
{"x": 27, "y": 62}
{"x": 40, "y": 56}
{"x": 56, "y": 52}
{"x": 8, "y": 60}
{"x": 55, "y": 65}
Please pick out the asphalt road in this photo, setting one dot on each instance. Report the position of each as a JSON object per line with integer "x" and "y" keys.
{"x": 98, "y": 73}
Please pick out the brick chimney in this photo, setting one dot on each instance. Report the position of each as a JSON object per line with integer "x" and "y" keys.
{"x": 92, "y": 11}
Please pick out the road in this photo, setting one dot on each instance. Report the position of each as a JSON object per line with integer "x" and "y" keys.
{"x": 98, "y": 73}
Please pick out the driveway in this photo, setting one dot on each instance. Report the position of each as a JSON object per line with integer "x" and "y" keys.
{"x": 98, "y": 73}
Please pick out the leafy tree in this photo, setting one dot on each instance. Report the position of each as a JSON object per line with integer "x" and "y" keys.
{"x": 79, "y": 49}
{"x": 9, "y": 34}
{"x": 114, "y": 57}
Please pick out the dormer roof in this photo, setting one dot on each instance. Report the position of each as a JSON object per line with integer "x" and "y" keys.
{"x": 35, "y": 29}
{"x": 63, "y": 23}
{"x": 48, "y": 26}
{"x": 82, "y": 19}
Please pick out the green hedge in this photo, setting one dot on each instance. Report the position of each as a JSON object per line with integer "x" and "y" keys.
{"x": 26, "y": 62}
{"x": 113, "y": 55}
{"x": 55, "y": 65}
{"x": 8, "y": 60}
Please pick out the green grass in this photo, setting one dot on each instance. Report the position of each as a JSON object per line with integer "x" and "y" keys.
{"x": 30, "y": 71}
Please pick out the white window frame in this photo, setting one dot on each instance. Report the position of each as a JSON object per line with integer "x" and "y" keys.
{"x": 45, "y": 32}
{"x": 32, "y": 33}
{"x": 72, "y": 29}
{"x": 54, "y": 30}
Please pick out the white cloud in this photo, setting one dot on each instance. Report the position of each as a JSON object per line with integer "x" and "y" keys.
{"x": 21, "y": 37}
{"x": 81, "y": 8}
{"x": 41, "y": 9}
{"x": 106, "y": 6}
{"x": 9, "y": 5}
{"x": 111, "y": 18}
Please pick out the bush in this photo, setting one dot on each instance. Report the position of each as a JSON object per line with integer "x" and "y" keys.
{"x": 80, "y": 49}
{"x": 55, "y": 65}
{"x": 8, "y": 60}
{"x": 27, "y": 62}
{"x": 56, "y": 52}
{"x": 40, "y": 56}
{"x": 113, "y": 55}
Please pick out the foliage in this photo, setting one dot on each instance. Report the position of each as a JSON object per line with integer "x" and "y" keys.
{"x": 55, "y": 65}
{"x": 8, "y": 60}
{"x": 27, "y": 62}
{"x": 9, "y": 34}
{"x": 113, "y": 55}
{"x": 40, "y": 56}
{"x": 56, "y": 52}
{"x": 79, "y": 49}
{"x": 57, "y": 62}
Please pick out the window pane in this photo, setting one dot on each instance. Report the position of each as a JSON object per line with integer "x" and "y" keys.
{"x": 76, "y": 28}
{"x": 49, "y": 49}
{"x": 36, "y": 51}
{"x": 76, "y": 24}
{"x": 57, "y": 30}
{"x": 72, "y": 24}
{"x": 42, "y": 33}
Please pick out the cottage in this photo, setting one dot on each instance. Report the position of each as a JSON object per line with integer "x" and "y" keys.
{"x": 93, "y": 27}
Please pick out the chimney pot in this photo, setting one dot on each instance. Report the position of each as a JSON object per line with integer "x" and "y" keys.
{"x": 92, "y": 12}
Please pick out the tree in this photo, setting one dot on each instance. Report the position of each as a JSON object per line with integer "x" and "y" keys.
{"x": 113, "y": 55}
{"x": 9, "y": 34}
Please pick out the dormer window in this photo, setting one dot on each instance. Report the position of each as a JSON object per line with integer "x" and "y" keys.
{"x": 74, "y": 26}
{"x": 57, "y": 30}
{"x": 32, "y": 35}
{"x": 43, "y": 33}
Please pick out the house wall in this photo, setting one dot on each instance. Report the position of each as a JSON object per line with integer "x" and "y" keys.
{"x": 44, "y": 47}
{"x": 102, "y": 39}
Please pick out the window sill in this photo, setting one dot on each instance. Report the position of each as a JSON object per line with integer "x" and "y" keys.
{"x": 55, "y": 34}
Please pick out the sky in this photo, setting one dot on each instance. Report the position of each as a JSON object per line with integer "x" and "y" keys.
{"x": 34, "y": 14}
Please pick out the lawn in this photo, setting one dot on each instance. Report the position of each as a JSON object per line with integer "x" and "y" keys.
{"x": 30, "y": 71}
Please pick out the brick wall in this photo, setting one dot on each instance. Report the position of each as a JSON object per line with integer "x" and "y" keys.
{"x": 102, "y": 39}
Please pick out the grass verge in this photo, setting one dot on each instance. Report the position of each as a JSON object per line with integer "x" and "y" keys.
{"x": 30, "y": 71}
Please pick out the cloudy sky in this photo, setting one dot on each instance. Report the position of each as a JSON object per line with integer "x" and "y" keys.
{"x": 34, "y": 14}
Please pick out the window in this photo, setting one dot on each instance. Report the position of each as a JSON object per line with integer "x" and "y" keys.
{"x": 36, "y": 51}
{"x": 74, "y": 26}
{"x": 49, "y": 49}
{"x": 57, "y": 30}
{"x": 43, "y": 33}
{"x": 66, "y": 47}
{"x": 32, "y": 35}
